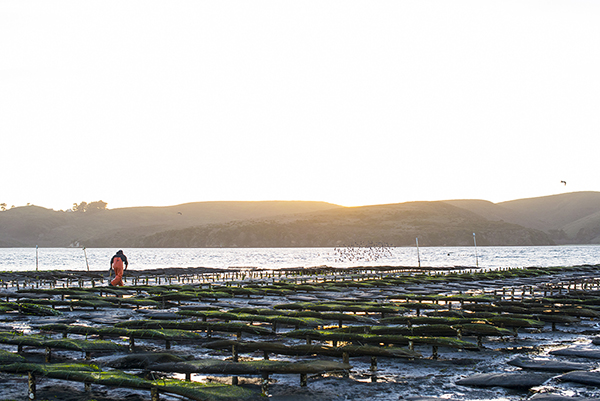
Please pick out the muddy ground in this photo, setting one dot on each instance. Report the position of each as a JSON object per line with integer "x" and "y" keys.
{"x": 396, "y": 379}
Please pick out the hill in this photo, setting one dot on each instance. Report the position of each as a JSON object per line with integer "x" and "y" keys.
{"x": 570, "y": 218}
{"x": 435, "y": 223}
{"x": 559, "y": 219}
{"x": 34, "y": 225}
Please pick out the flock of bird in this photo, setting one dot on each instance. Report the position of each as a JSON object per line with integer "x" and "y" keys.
{"x": 361, "y": 253}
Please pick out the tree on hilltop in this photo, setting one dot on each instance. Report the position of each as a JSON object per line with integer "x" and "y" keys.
{"x": 96, "y": 206}
{"x": 89, "y": 207}
{"x": 80, "y": 208}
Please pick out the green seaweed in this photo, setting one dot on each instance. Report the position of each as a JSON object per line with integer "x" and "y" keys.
{"x": 323, "y": 316}
{"x": 65, "y": 343}
{"x": 341, "y": 307}
{"x": 7, "y": 357}
{"x": 378, "y": 339}
{"x": 482, "y": 329}
{"x": 302, "y": 349}
{"x": 164, "y": 334}
{"x": 37, "y": 310}
{"x": 216, "y": 326}
{"x": 255, "y": 367}
{"x": 90, "y": 374}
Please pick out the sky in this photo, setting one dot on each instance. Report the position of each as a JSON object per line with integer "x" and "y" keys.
{"x": 154, "y": 103}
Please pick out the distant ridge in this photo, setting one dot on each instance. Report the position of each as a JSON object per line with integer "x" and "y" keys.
{"x": 572, "y": 218}
{"x": 435, "y": 223}
{"x": 556, "y": 211}
{"x": 34, "y": 225}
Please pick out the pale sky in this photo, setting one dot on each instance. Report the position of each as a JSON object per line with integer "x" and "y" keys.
{"x": 350, "y": 102}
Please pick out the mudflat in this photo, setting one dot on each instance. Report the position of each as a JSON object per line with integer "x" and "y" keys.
{"x": 327, "y": 334}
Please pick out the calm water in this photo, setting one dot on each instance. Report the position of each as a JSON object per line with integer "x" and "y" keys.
{"x": 151, "y": 258}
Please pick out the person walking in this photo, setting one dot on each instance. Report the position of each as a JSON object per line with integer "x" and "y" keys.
{"x": 119, "y": 264}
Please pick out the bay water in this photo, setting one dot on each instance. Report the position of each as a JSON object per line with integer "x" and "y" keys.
{"x": 27, "y": 259}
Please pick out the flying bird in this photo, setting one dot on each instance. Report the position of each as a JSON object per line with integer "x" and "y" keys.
{"x": 563, "y": 182}
{"x": 179, "y": 213}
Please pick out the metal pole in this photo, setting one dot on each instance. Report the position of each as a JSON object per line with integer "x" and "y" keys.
{"x": 36, "y": 258}
{"x": 86, "y": 261}
{"x": 418, "y": 255}
{"x": 476, "y": 258}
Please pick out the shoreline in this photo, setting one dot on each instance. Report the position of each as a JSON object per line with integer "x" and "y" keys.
{"x": 243, "y": 275}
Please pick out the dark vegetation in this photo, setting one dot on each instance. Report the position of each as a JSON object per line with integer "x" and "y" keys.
{"x": 572, "y": 218}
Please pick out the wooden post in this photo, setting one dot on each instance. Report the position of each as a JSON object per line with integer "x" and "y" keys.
{"x": 131, "y": 343}
{"x": 373, "y": 369}
{"x": 48, "y": 354}
{"x": 373, "y": 364}
{"x": 154, "y": 394}
{"x": 168, "y": 344}
{"x": 303, "y": 379}
{"x": 346, "y": 359}
{"x": 234, "y": 353}
{"x": 31, "y": 385}
{"x": 264, "y": 385}
{"x": 434, "y": 354}
{"x": 87, "y": 387}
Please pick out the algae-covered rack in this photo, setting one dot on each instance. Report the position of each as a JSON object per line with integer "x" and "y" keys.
{"x": 167, "y": 335}
{"x": 258, "y": 367}
{"x": 67, "y": 344}
{"x": 90, "y": 374}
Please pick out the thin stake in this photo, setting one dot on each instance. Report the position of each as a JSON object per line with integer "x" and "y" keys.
{"x": 86, "y": 260}
{"x": 418, "y": 255}
{"x": 476, "y": 258}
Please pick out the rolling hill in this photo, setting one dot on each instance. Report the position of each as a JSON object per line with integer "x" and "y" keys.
{"x": 34, "y": 225}
{"x": 572, "y": 218}
{"x": 435, "y": 223}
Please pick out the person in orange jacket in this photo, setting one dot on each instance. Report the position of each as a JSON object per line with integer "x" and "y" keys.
{"x": 119, "y": 264}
